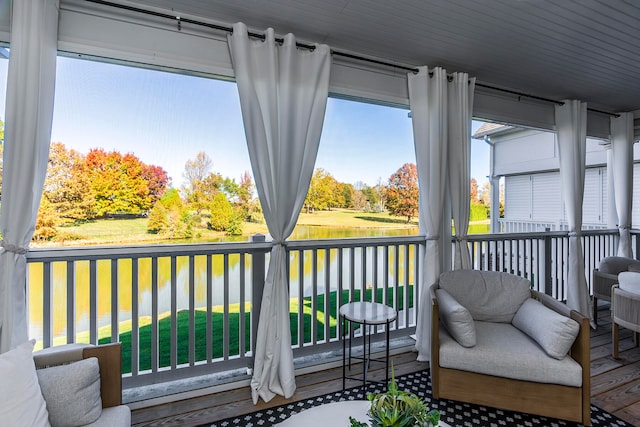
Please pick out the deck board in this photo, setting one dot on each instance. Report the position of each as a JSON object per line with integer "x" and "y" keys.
{"x": 615, "y": 386}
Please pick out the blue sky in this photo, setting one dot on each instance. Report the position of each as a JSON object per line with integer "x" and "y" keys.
{"x": 166, "y": 119}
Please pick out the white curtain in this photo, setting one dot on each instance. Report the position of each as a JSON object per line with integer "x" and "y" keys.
{"x": 428, "y": 99}
{"x": 460, "y": 107}
{"x": 622, "y": 147}
{"x": 571, "y": 125}
{"x": 29, "y": 112}
{"x": 283, "y": 96}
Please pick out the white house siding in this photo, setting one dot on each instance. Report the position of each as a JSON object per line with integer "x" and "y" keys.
{"x": 546, "y": 199}
{"x": 517, "y": 198}
{"x": 594, "y": 207}
{"x": 534, "y": 201}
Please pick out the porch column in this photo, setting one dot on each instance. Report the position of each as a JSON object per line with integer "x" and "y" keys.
{"x": 494, "y": 183}
{"x": 612, "y": 214}
{"x": 622, "y": 161}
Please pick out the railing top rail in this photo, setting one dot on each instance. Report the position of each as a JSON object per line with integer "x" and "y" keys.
{"x": 144, "y": 251}
{"x": 355, "y": 242}
{"x": 541, "y": 235}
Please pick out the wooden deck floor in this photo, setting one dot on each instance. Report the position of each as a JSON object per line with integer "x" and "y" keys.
{"x": 615, "y": 386}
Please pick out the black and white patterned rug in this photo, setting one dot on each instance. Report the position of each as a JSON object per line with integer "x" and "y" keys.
{"x": 452, "y": 412}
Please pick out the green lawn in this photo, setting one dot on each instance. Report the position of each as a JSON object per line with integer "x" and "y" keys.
{"x": 132, "y": 231}
{"x": 233, "y": 327}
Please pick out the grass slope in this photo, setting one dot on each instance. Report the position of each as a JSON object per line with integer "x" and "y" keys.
{"x": 233, "y": 328}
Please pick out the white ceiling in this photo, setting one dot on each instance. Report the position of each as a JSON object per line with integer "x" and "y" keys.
{"x": 559, "y": 49}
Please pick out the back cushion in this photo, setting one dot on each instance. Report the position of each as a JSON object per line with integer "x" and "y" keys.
{"x": 72, "y": 392}
{"x": 488, "y": 295}
{"x": 616, "y": 264}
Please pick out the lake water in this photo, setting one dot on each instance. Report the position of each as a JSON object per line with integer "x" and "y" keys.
{"x": 104, "y": 303}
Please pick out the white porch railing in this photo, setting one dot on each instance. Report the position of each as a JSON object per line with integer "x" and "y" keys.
{"x": 530, "y": 226}
{"x": 188, "y": 310}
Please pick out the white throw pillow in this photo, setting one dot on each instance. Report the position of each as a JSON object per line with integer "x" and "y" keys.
{"x": 629, "y": 281}
{"x": 21, "y": 402}
{"x": 72, "y": 392}
{"x": 456, "y": 319}
{"x": 554, "y": 332}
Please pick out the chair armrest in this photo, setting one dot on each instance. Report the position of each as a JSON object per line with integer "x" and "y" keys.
{"x": 59, "y": 355}
{"x": 625, "y": 307}
{"x": 110, "y": 360}
{"x": 602, "y": 283}
{"x": 580, "y": 350}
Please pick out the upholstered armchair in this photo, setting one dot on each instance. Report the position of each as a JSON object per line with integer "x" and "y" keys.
{"x": 606, "y": 275}
{"x": 496, "y": 342}
{"x": 625, "y": 307}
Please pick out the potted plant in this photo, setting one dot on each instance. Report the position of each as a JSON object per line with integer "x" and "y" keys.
{"x": 397, "y": 408}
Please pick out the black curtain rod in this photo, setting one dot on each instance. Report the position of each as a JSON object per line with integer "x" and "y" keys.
{"x": 179, "y": 20}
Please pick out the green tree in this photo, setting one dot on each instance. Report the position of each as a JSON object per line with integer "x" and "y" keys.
{"x": 402, "y": 192}
{"x": 169, "y": 217}
{"x": 221, "y": 213}
{"x": 371, "y": 195}
{"x": 347, "y": 193}
{"x": 243, "y": 199}
{"x": 322, "y": 191}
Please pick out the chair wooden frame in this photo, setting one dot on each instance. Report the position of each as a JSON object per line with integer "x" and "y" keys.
{"x": 550, "y": 400}
{"x": 602, "y": 283}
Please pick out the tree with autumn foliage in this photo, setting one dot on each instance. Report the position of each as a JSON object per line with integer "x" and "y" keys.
{"x": 122, "y": 183}
{"x": 67, "y": 187}
{"x": 402, "y": 192}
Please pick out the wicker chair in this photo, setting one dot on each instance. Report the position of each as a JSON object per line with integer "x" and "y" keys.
{"x": 606, "y": 275}
{"x": 625, "y": 308}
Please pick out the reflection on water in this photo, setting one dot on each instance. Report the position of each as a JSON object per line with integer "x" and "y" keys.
{"x": 300, "y": 283}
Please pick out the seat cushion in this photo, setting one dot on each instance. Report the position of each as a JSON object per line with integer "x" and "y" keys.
{"x": 629, "y": 281}
{"x": 456, "y": 319}
{"x": 503, "y": 350}
{"x": 115, "y": 416}
{"x": 488, "y": 295}
{"x": 554, "y": 332}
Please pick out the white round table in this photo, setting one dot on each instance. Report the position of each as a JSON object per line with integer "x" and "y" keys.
{"x": 368, "y": 314}
{"x": 333, "y": 414}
